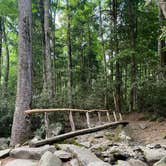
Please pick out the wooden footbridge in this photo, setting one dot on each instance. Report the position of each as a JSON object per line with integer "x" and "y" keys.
{"x": 74, "y": 132}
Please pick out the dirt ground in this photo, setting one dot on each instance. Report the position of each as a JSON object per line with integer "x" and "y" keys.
{"x": 145, "y": 131}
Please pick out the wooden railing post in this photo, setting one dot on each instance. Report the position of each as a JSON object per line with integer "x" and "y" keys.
{"x": 72, "y": 121}
{"x": 46, "y": 123}
{"x": 88, "y": 119}
{"x": 99, "y": 116}
{"x": 108, "y": 116}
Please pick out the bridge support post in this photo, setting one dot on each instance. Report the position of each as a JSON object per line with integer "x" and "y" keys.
{"x": 71, "y": 121}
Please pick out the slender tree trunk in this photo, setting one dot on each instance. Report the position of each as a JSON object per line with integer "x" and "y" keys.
{"x": 161, "y": 42}
{"x": 117, "y": 96}
{"x": 103, "y": 53}
{"x": 6, "y": 75}
{"x": 69, "y": 52}
{"x": 48, "y": 80}
{"x": 0, "y": 50}
{"x": 132, "y": 32}
{"x": 21, "y": 127}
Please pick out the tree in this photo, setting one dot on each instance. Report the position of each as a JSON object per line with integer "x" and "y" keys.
{"x": 48, "y": 80}
{"x": 21, "y": 126}
{"x": 0, "y": 49}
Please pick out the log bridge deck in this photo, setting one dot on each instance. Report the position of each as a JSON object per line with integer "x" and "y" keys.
{"x": 75, "y": 132}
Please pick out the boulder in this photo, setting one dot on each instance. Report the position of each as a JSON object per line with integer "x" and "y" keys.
{"x": 26, "y": 152}
{"x": 85, "y": 157}
{"x": 122, "y": 163}
{"x": 162, "y": 162}
{"x": 74, "y": 162}
{"x": 134, "y": 162}
{"x": 64, "y": 156}
{"x": 22, "y": 162}
{"x": 49, "y": 159}
{"x": 4, "y": 153}
{"x": 154, "y": 155}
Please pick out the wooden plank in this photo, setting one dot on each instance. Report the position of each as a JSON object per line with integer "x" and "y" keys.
{"x": 71, "y": 121}
{"x": 108, "y": 116}
{"x": 88, "y": 119}
{"x": 46, "y": 124}
{"x": 61, "y": 110}
{"x": 99, "y": 116}
{"x": 75, "y": 133}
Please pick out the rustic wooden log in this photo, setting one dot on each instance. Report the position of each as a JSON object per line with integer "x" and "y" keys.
{"x": 61, "y": 110}
{"x": 115, "y": 117}
{"x": 46, "y": 123}
{"x": 88, "y": 119}
{"x": 71, "y": 121}
{"x": 108, "y": 116}
{"x": 75, "y": 133}
{"x": 99, "y": 116}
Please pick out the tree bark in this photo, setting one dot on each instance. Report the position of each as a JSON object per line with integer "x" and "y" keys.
{"x": 48, "y": 80}
{"x": 21, "y": 126}
{"x": 69, "y": 52}
{"x": 132, "y": 34}
{"x": 6, "y": 75}
{"x": 117, "y": 96}
{"x": 0, "y": 50}
{"x": 161, "y": 42}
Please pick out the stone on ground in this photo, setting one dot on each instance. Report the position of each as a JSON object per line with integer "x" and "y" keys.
{"x": 85, "y": 157}
{"x": 31, "y": 153}
{"x": 162, "y": 162}
{"x": 22, "y": 162}
{"x": 64, "y": 156}
{"x": 49, "y": 159}
{"x": 134, "y": 162}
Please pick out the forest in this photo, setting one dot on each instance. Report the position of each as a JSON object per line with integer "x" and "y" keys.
{"x": 80, "y": 55}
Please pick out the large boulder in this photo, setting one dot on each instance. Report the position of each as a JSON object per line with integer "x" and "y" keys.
{"x": 122, "y": 163}
{"x": 154, "y": 155}
{"x": 64, "y": 156}
{"x": 134, "y": 162}
{"x": 26, "y": 152}
{"x": 22, "y": 162}
{"x": 162, "y": 162}
{"x": 85, "y": 157}
{"x": 49, "y": 159}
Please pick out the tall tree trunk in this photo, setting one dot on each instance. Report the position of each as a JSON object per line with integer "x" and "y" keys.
{"x": 161, "y": 42}
{"x": 132, "y": 33}
{"x": 48, "y": 80}
{"x": 117, "y": 96}
{"x": 0, "y": 50}
{"x": 21, "y": 127}
{"x": 6, "y": 75}
{"x": 103, "y": 53}
{"x": 69, "y": 52}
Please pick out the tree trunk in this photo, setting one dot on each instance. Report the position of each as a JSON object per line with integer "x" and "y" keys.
{"x": 161, "y": 42}
{"x": 103, "y": 53}
{"x": 0, "y": 50}
{"x": 21, "y": 127}
{"x": 117, "y": 73}
{"x": 48, "y": 80}
{"x": 69, "y": 52}
{"x": 6, "y": 75}
{"x": 132, "y": 33}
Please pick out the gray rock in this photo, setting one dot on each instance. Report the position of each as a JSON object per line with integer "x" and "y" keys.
{"x": 85, "y": 157}
{"x": 4, "y": 153}
{"x": 86, "y": 144}
{"x": 153, "y": 155}
{"x": 31, "y": 153}
{"x": 134, "y": 162}
{"x": 123, "y": 163}
{"x": 143, "y": 126}
{"x": 162, "y": 162}
{"x": 48, "y": 159}
{"x": 74, "y": 162}
{"x": 64, "y": 156}
{"x": 22, "y": 162}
